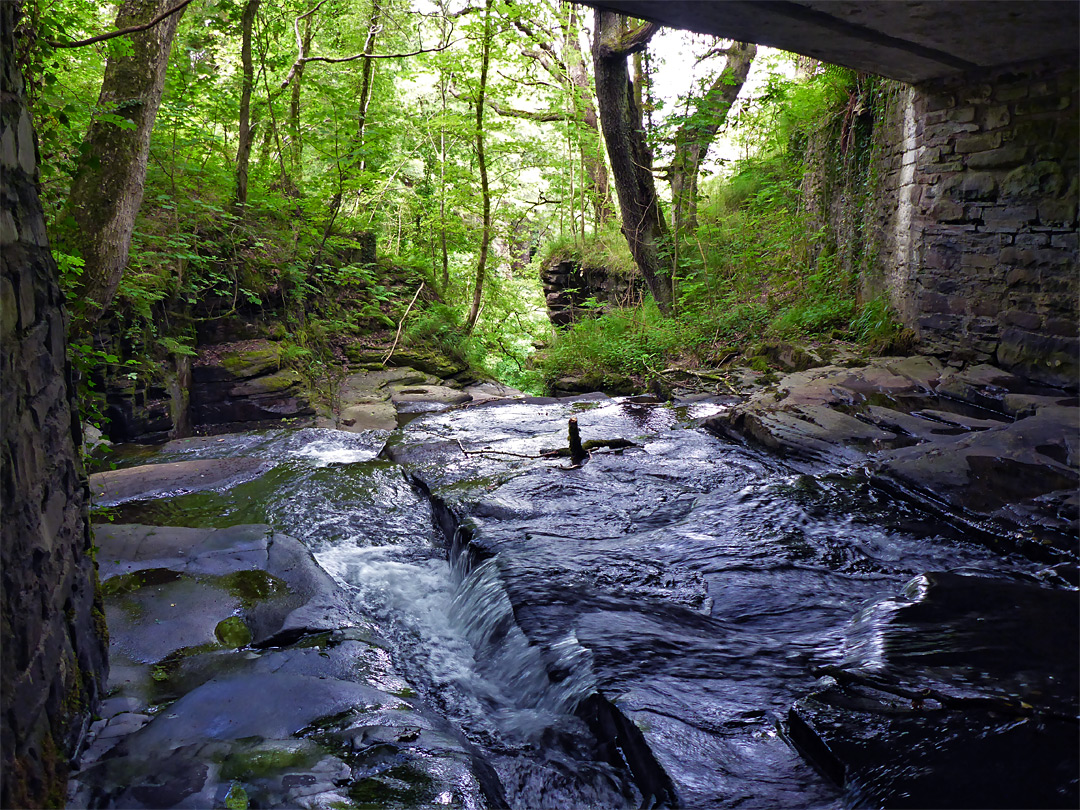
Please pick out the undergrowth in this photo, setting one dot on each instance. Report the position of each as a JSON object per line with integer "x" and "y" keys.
{"x": 757, "y": 267}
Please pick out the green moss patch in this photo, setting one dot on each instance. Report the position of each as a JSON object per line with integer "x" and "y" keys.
{"x": 232, "y": 632}
{"x": 129, "y": 583}
{"x": 253, "y": 586}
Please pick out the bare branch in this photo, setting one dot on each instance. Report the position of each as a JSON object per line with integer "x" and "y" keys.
{"x": 401, "y": 323}
{"x": 719, "y": 50}
{"x": 337, "y": 60}
{"x": 132, "y": 29}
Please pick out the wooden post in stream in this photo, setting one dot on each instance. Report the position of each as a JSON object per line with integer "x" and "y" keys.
{"x": 577, "y": 452}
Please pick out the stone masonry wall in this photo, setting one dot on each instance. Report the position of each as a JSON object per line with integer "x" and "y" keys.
{"x": 976, "y": 218}
{"x": 54, "y": 652}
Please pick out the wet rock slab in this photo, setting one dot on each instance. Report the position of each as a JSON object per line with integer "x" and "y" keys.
{"x": 958, "y": 675}
{"x": 979, "y": 445}
{"x": 241, "y": 676}
{"x": 668, "y": 594}
{"x": 155, "y": 480}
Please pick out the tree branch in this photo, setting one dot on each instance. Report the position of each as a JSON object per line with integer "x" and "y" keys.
{"x": 337, "y": 60}
{"x": 510, "y": 112}
{"x": 131, "y": 29}
{"x": 628, "y": 42}
{"x": 401, "y": 323}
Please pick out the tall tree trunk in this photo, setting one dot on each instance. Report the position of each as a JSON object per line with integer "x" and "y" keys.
{"x": 595, "y": 168}
{"x": 631, "y": 160}
{"x": 296, "y": 136}
{"x": 247, "y": 133}
{"x": 366, "y": 79}
{"x": 696, "y": 135}
{"x": 108, "y": 187}
{"x": 443, "y": 248}
{"x": 485, "y": 238}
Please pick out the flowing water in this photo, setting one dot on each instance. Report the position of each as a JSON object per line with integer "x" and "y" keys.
{"x": 693, "y": 581}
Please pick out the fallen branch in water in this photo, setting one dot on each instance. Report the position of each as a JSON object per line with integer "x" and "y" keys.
{"x": 584, "y": 449}
{"x": 486, "y": 453}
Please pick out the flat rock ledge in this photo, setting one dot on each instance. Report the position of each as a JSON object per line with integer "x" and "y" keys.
{"x": 242, "y": 677}
{"x": 386, "y": 398}
{"x": 977, "y": 445}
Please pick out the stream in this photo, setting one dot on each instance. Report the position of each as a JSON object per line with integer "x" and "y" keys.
{"x": 697, "y": 584}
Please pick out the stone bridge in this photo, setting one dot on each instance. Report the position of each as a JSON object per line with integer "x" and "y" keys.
{"x": 975, "y": 227}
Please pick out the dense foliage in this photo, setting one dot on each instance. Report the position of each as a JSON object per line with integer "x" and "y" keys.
{"x": 380, "y": 150}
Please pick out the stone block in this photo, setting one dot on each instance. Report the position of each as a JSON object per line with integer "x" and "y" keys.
{"x": 1049, "y": 359}
{"x": 9, "y": 308}
{"x": 944, "y": 210}
{"x": 1013, "y": 92}
{"x": 27, "y": 303}
{"x": 977, "y": 143}
{"x": 986, "y": 307}
{"x": 1021, "y": 275}
{"x": 1008, "y": 217}
{"x": 1000, "y": 158}
{"x": 931, "y": 302}
{"x": 977, "y": 94}
{"x": 1054, "y": 151}
{"x": 949, "y": 130}
{"x": 940, "y": 322}
{"x": 1046, "y": 104}
{"x": 1032, "y": 239}
{"x": 996, "y": 117}
{"x": 971, "y": 186}
{"x": 1042, "y": 179}
{"x": 1065, "y": 241}
{"x": 1068, "y": 327}
{"x": 1061, "y": 212}
{"x": 939, "y": 101}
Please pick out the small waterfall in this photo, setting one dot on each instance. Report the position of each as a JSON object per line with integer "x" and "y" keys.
{"x": 872, "y": 629}
{"x": 546, "y": 689}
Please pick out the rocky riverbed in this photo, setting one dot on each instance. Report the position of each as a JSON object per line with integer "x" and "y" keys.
{"x": 419, "y": 603}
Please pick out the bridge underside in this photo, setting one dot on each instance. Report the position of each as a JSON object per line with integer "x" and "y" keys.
{"x": 907, "y": 40}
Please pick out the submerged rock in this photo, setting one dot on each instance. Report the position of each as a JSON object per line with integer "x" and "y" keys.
{"x": 155, "y": 480}
{"x": 960, "y": 675}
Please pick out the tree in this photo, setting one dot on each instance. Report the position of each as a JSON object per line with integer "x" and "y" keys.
{"x": 108, "y": 187}
{"x": 631, "y": 161}
{"x": 567, "y": 67}
{"x": 246, "y": 134}
{"x": 485, "y": 191}
{"x": 696, "y": 134}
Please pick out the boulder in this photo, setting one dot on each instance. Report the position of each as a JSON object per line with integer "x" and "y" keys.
{"x": 242, "y": 676}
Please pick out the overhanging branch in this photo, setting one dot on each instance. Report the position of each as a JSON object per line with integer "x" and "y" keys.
{"x": 131, "y": 29}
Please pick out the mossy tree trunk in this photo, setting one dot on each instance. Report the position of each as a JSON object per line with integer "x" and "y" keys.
{"x": 697, "y": 132}
{"x": 108, "y": 186}
{"x": 631, "y": 160}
